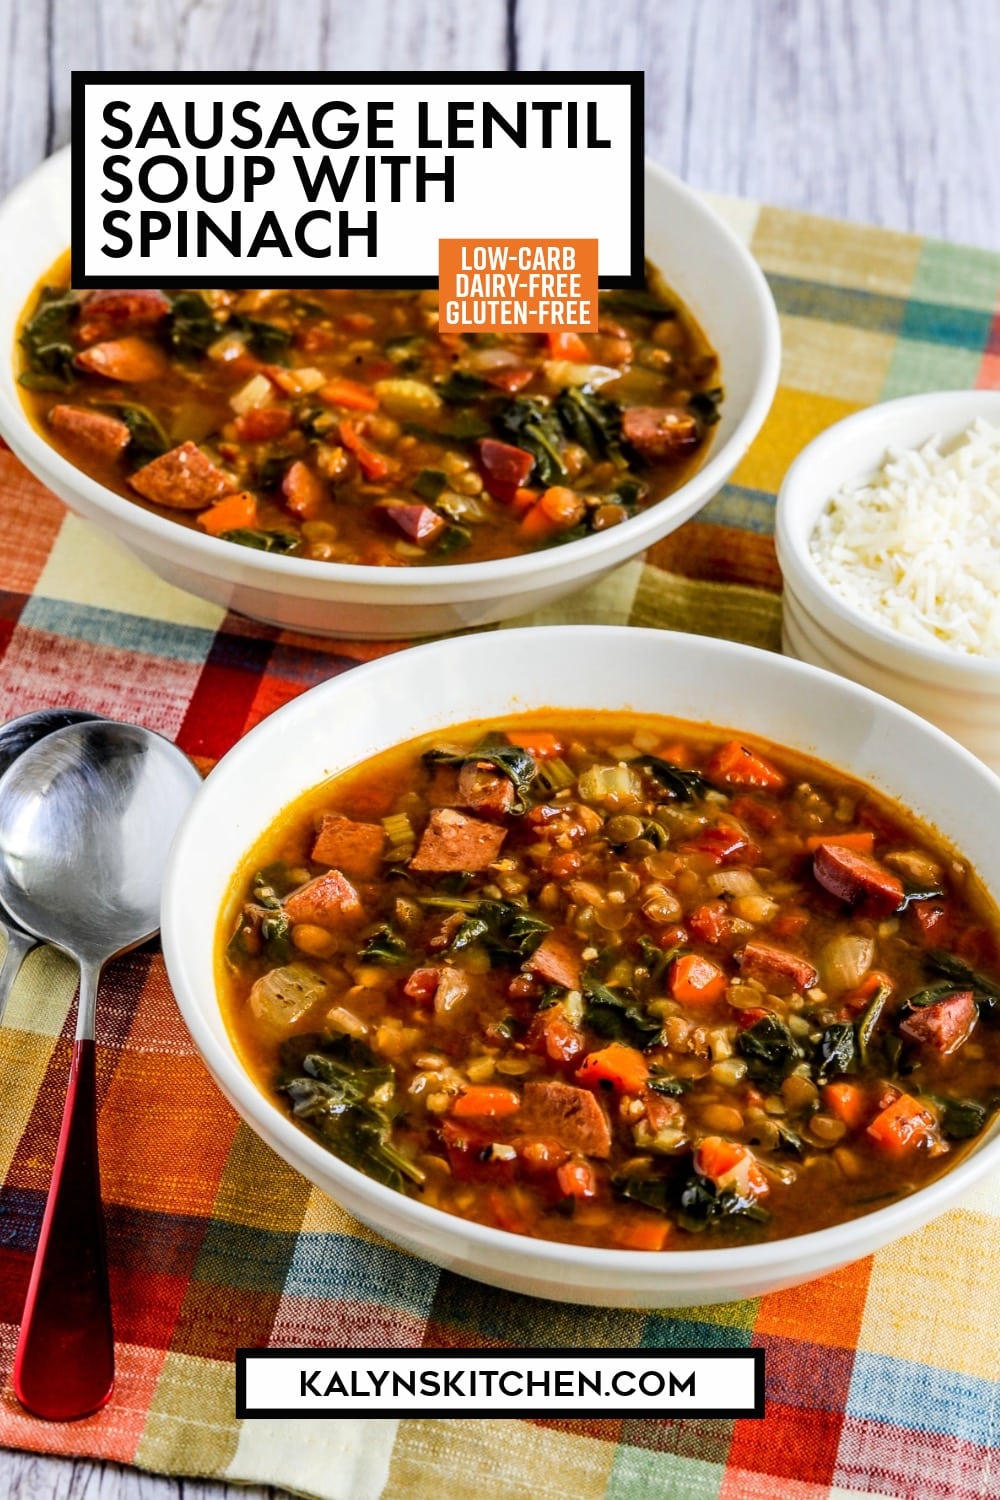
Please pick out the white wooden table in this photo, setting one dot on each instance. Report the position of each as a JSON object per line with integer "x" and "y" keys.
{"x": 878, "y": 110}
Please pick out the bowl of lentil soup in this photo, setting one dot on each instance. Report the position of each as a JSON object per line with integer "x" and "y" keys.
{"x": 328, "y": 462}
{"x": 631, "y": 968}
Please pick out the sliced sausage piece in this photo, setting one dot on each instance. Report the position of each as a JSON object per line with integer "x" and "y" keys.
{"x": 421, "y": 524}
{"x": 761, "y": 961}
{"x": 109, "y": 311}
{"x": 303, "y": 490}
{"x": 183, "y": 479}
{"x": 557, "y": 959}
{"x": 945, "y": 1025}
{"x": 92, "y": 431}
{"x": 573, "y": 1117}
{"x": 355, "y": 848}
{"x": 131, "y": 360}
{"x": 660, "y": 431}
{"x": 485, "y": 789}
{"x": 329, "y": 901}
{"x": 452, "y": 842}
{"x": 858, "y": 879}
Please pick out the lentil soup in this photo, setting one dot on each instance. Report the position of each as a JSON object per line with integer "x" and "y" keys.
{"x": 629, "y": 983}
{"x": 342, "y": 426}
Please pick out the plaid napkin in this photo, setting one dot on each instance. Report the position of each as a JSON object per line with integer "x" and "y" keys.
{"x": 883, "y": 1379}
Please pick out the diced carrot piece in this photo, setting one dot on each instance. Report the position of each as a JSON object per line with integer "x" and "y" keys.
{"x": 522, "y": 500}
{"x": 478, "y": 1099}
{"x": 864, "y": 841}
{"x": 696, "y": 981}
{"x": 873, "y": 981}
{"x": 357, "y": 322}
{"x": 541, "y": 744}
{"x": 848, "y": 1102}
{"x": 565, "y": 344}
{"x": 374, "y": 465}
{"x": 736, "y": 765}
{"x": 349, "y": 393}
{"x": 644, "y": 1234}
{"x": 558, "y": 509}
{"x": 577, "y": 1179}
{"x": 901, "y": 1126}
{"x": 231, "y": 514}
{"x": 723, "y": 844}
{"x": 623, "y": 1067}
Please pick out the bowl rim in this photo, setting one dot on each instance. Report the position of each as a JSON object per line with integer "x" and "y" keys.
{"x": 801, "y": 574}
{"x": 829, "y": 1247}
{"x": 208, "y": 551}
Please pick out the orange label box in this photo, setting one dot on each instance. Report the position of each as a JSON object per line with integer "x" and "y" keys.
{"x": 523, "y": 286}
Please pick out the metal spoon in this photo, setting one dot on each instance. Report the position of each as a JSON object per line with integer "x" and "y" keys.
{"x": 15, "y": 737}
{"x": 87, "y": 817}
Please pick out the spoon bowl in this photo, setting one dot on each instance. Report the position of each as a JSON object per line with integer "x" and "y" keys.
{"x": 87, "y": 817}
{"x": 16, "y": 737}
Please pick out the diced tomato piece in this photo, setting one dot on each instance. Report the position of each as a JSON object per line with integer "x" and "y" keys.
{"x": 730, "y": 1165}
{"x": 934, "y": 920}
{"x": 231, "y": 514}
{"x": 577, "y": 1179}
{"x": 512, "y": 380}
{"x": 791, "y": 922}
{"x": 758, "y": 814}
{"x": 263, "y": 423}
{"x": 421, "y": 524}
{"x": 723, "y": 844}
{"x": 422, "y": 985}
{"x": 849, "y": 1102}
{"x": 863, "y": 841}
{"x": 945, "y": 1025}
{"x": 374, "y": 465}
{"x": 696, "y": 981}
{"x": 565, "y": 863}
{"x": 858, "y": 879}
{"x": 541, "y": 1156}
{"x": 711, "y": 923}
{"x": 624, "y": 1068}
{"x": 490, "y": 1100}
{"x": 762, "y": 961}
{"x": 873, "y": 981}
{"x": 541, "y": 744}
{"x": 750, "y": 1016}
{"x": 902, "y": 1126}
{"x": 552, "y": 1033}
{"x": 471, "y": 1158}
{"x": 666, "y": 938}
{"x": 736, "y": 765}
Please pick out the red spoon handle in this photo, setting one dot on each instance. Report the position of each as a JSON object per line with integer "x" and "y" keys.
{"x": 64, "y": 1366}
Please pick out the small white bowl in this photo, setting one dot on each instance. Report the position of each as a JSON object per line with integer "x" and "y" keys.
{"x": 434, "y": 687}
{"x": 958, "y": 692}
{"x": 701, "y": 260}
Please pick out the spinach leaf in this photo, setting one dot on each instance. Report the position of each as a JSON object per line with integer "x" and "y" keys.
{"x": 770, "y": 1050}
{"x": 629, "y": 491}
{"x": 429, "y": 483}
{"x": 593, "y": 421}
{"x": 471, "y": 930}
{"x": 702, "y": 1204}
{"x": 705, "y": 405}
{"x": 960, "y": 1118}
{"x": 47, "y": 342}
{"x": 147, "y": 438}
{"x": 985, "y": 991}
{"x": 330, "y": 1084}
{"x": 270, "y": 471}
{"x": 192, "y": 327}
{"x": 510, "y": 760}
{"x": 617, "y": 1016}
{"x": 836, "y": 1051}
{"x": 867, "y": 1023}
{"x": 384, "y": 947}
{"x": 529, "y": 424}
{"x": 262, "y": 541}
{"x": 638, "y": 300}
{"x": 652, "y": 1192}
{"x": 684, "y": 785}
{"x": 266, "y": 340}
{"x": 461, "y": 388}
{"x": 452, "y": 539}
{"x": 672, "y": 1088}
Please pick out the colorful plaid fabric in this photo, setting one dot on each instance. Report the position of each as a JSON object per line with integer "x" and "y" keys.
{"x": 883, "y": 1379}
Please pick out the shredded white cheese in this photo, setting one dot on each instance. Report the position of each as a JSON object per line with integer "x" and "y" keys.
{"x": 916, "y": 546}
